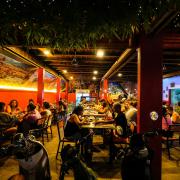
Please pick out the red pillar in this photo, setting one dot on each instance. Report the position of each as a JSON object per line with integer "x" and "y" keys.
{"x": 40, "y": 92}
{"x": 67, "y": 87}
{"x": 105, "y": 88}
{"x": 150, "y": 94}
{"x": 58, "y": 91}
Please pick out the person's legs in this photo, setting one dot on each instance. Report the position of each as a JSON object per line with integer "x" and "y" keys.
{"x": 87, "y": 144}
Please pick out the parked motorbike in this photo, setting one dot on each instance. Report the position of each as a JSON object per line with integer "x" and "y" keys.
{"x": 31, "y": 155}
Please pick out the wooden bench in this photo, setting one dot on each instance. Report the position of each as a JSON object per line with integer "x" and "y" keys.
{"x": 170, "y": 140}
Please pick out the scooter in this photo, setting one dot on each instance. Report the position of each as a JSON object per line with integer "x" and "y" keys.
{"x": 31, "y": 155}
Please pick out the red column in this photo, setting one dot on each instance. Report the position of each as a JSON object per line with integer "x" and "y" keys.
{"x": 150, "y": 94}
{"x": 40, "y": 92}
{"x": 67, "y": 87}
{"x": 105, "y": 88}
{"x": 58, "y": 91}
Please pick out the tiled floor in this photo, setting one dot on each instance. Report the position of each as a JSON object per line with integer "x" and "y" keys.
{"x": 104, "y": 171}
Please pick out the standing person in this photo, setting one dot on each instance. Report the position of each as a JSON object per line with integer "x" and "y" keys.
{"x": 62, "y": 109}
{"x": 13, "y": 107}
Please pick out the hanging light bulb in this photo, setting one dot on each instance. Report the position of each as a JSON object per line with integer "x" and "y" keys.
{"x": 74, "y": 60}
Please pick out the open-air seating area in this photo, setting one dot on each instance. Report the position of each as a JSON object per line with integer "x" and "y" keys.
{"x": 99, "y": 164}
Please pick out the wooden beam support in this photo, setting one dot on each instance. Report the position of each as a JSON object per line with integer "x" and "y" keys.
{"x": 123, "y": 59}
{"x": 150, "y": 95}
{"x": 40, "y": 92}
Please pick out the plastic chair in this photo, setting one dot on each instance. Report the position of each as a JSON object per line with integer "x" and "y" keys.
{"x": 62, "y": 139}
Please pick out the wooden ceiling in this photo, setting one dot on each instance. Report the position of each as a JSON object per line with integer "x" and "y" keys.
{"x": 80, "y": 63}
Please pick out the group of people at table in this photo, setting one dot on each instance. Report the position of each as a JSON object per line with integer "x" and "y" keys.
{"x": 122, "y": 114}
{"x": 12, "y": 118}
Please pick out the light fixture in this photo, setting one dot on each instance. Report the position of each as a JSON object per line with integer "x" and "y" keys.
{"x": 95, "y": 72}
{"x": 164, "y": 68}
{"x": 94, "y": 78}
{"x": 74, "y": 61}
{"x": 119, "y": 74}
{"x": 64, "y": 71}
{"x": 47, "y": 52}
{"x": 100, "y": 53}
{"x": 71, "y": 77}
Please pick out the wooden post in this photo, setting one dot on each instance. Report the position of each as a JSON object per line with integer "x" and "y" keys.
{"x": 66, "y": 94}
{"x": 40, "y": 92}
{"x": 105, "y": 88}
{"x": 58, "y": 92}
{"x": 150, "y": 94}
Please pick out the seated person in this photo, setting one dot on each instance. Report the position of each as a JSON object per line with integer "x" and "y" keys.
{"x": 174, "y": 115}
{"x": 31, "y": 101}
{"x": 166, "y": 121}
{"x": 46, "y": 109}
{"x": 13, "y": 108}
{"x": 74, "y": 132}
{"x": 120, "y": 122}
{"x": 104, "y": 108}
{"x": 83, "y": 101}
{"x": 6, "y": 120}
{"x": 29, "y": 120}
{"x": 74, "y": 123}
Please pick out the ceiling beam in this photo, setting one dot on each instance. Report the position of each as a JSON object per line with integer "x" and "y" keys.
{"x": 171, "y": 74}
{"x": 125, "y": 57}
{"x": 79, "y": 65}
{"x": 163, "y": 22}
{"x": 55, "y": 56}
{"x": 27, "y": 58}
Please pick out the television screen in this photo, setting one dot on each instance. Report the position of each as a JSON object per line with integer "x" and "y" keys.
{"x": 175, "y": 96}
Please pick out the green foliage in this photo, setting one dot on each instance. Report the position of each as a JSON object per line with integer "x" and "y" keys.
{"x": 76, "y": 24}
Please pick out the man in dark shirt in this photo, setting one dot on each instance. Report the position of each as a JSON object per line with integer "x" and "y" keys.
{"x": 6, "y": 120}
{"x": 120, "y": 120}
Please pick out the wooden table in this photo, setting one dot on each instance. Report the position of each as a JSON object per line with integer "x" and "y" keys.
{"x": 92, "y": 125}
{"x": 95, "y": 115}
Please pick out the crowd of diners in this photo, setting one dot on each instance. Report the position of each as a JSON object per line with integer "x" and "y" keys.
{"x": 13, "y": 118}
{"x": 122, "y": 113}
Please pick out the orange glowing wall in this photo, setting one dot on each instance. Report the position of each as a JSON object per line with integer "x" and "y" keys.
{"x": 23, "y": 96}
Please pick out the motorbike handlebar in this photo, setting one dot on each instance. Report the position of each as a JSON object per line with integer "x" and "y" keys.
{"x": 21, "y": 147}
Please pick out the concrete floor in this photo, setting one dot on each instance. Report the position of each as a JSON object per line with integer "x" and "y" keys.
{"x": 104, "y": 171}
